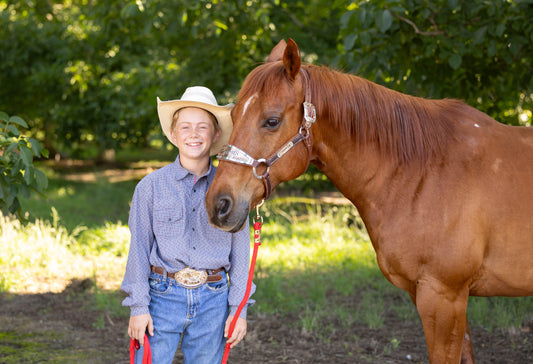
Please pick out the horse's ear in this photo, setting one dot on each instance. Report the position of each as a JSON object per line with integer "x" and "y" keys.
{"x": 277, "y": 52}
{"x": 291, "y": 59}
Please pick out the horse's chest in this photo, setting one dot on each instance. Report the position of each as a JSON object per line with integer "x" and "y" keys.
{"x": 399, "y": 264}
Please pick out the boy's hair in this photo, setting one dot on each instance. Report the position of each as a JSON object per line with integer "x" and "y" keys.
{"x": 177, "y": 114}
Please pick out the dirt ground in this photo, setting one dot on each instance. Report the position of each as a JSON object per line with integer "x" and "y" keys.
{"x": 60, "y": 328}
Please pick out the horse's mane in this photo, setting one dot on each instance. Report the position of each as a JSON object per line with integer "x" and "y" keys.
{"x": 406, "y": 128}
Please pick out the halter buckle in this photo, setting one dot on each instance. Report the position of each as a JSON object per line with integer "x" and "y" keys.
{"x": 309, "y": 114}
{"x": 259, "y": 161}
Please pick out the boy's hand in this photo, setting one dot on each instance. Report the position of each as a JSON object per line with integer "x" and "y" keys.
{"x": 138, "y": 325}
{"x": 238, "y": 332}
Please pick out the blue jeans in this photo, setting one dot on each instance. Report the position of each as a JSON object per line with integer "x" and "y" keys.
{"x": 199, "y": 315}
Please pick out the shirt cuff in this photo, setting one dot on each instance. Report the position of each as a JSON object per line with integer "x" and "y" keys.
{"x": 233, "y": 311}
{"x": 139, "y": 310}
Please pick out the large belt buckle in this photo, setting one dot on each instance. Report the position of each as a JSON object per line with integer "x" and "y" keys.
{"x": 190, "y": 278}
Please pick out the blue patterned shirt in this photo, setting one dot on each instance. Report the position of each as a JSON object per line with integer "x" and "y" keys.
{"x": 169, "y": 229}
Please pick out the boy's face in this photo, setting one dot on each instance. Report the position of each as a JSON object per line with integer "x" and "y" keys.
{"x": 194, "y": 133}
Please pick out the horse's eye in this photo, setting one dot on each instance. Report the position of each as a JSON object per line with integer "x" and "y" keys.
{"x": 271, "y": 123}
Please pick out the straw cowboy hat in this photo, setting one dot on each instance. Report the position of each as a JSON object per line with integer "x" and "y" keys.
{"x": 202, "y": 98}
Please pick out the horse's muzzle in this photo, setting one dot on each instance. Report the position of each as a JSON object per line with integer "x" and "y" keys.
{"x": 227, "y": 215}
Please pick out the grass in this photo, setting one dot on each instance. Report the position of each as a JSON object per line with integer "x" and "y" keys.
{"x": 315, "y": 263}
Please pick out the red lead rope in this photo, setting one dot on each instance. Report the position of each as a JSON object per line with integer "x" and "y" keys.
{"x": 258, "y": 222}
{"x": 147, "y": 353}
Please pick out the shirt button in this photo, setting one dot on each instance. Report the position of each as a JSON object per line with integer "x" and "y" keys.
{"x": 192, "y": 229}
{"x": 193, "y": 190}
{"x": 193, "y": 210}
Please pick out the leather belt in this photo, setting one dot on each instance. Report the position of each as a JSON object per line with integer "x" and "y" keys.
{"x": 191, "y": 278}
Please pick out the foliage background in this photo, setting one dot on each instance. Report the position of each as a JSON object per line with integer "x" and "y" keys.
{"x": 86, "y": 73}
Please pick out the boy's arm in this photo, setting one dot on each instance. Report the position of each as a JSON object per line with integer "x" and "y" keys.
{"x": 135, "y": 282}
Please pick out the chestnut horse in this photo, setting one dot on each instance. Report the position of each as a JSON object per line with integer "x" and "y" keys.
{"x": 445, "y": 192}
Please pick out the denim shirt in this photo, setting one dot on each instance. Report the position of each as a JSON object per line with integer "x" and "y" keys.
{"x": 169, "y": 229}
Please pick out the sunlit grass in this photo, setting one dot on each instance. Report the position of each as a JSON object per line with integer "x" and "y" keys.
{"x": 44, "y": 255}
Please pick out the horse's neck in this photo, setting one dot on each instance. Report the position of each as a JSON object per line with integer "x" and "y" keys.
{"x": 358, "y": 173}
{"x": 365, "y": 176}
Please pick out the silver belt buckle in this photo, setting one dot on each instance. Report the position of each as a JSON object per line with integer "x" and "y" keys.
{"x": 190, "y": 278}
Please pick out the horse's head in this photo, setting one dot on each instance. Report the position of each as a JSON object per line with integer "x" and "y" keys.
{"x": 269, "y": 142}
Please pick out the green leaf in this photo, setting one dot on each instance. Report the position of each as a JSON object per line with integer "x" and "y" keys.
{"x": 479, "y": 35}
{"x": 455, "y": 61}
{"x": 500, "y": 29}
{"x": 345, "y": 19}
{"x": 42, "y": 180}
{"x": 26, "y": 154}
{"x": 24, "y": 191}
{"x": 4, "y": 116}
{"x": 44, "y": 152}
{"x": 453, "y": 4}
{"x": 35, "y": 146}
{"x": 14, "y": 206}
{"x": 10, "y": 149}
{"x": 349, "y": 41}
{"x": 492, "y": 48}
{"x": 13, "y": 129}
{"x": 19, "y": 121}
{"x": 384, "y": 21}
{"x": 361, "y": 15}
{"x": 28, "y": 175}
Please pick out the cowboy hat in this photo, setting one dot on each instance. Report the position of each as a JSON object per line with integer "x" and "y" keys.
{"x": 202, "y": 98}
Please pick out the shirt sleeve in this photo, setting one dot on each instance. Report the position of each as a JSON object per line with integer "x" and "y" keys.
{"x": 135, "y": 282}
{"x": 238, "y": 274}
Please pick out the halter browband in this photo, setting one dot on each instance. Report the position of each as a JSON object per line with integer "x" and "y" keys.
{"x": 233, "y": 154}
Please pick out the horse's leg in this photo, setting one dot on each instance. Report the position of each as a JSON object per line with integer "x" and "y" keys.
{"x": 443, "y": 314}
{"x": 467, "y": 353}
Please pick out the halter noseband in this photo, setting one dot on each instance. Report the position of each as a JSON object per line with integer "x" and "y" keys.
{"x": 233, "y": 154}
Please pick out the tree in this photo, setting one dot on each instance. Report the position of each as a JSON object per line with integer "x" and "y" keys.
{"x": 479, "y": 51}
{"x": 18, "y": 176}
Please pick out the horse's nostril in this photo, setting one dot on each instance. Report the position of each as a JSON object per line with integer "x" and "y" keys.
{"x": 224, "y": 205}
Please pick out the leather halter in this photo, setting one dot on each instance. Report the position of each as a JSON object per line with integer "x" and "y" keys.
{"x": 233, "y": 154}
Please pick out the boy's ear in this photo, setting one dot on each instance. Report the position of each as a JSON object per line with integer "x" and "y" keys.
{"x": 218, "y": 131}
{"x": 172, "y": 136}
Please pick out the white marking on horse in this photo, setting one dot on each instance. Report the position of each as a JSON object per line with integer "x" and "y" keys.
{"x": 496, "y": 165}
{"x": 247, "y": 103}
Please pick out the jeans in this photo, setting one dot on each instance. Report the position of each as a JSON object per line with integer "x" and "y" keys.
{"x": 199, "y": 315}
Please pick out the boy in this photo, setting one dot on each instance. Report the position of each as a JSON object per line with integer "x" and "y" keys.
{"x": 178, "y": 265}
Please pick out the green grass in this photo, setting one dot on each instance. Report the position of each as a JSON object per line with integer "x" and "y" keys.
{"x": 89, "y": 204}
{"x": 315, "y": 263}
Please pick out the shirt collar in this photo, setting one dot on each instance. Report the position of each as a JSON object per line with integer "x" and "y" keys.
{"x": 181, "y": 172}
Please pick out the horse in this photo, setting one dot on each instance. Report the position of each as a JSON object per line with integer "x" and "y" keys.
{"x": 444, "y": 190}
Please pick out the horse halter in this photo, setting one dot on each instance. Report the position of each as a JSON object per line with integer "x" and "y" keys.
{"x": 233, "y": 154}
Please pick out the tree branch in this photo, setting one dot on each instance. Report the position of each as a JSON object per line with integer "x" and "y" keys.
{"x": 418, "y": 31}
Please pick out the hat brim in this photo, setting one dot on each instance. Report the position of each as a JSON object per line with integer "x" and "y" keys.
{"x": 166, "y": 110}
